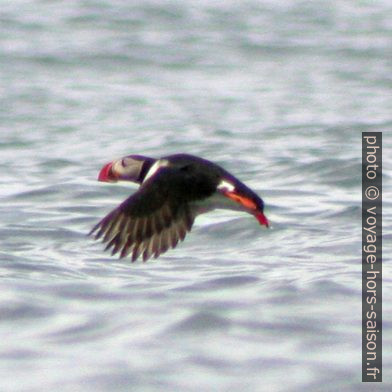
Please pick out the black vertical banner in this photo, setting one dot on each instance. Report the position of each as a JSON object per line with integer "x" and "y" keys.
{"x": 371, "y": 257}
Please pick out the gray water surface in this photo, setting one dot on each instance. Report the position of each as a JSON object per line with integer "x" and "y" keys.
{"x": 278, "y": 92}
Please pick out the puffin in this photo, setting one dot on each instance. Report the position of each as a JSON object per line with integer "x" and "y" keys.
{"x": 173, "y": 191}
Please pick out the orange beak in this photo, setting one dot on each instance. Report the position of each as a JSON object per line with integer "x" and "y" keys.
{"x": 106, "y": 174}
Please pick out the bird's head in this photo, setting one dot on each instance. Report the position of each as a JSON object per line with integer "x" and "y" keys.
{"x": 130, "y": 168}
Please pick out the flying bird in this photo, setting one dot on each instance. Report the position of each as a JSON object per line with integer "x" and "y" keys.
{"x": 173, "y": 190}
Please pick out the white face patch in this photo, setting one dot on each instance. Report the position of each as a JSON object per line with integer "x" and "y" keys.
{"x": 127, "y": 167}
{"x": 226, "y": 186}
{"x": 117, "y": 167}
{"x": 155, "y": 167}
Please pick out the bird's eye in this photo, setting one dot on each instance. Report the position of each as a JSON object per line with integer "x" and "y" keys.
{"x": 125, "y": 162}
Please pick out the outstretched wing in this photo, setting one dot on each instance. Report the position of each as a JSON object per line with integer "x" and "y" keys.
{"x": 155, "y": 218}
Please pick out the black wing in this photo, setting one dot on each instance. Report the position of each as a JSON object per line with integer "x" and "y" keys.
{"x": 157, "y": 216}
